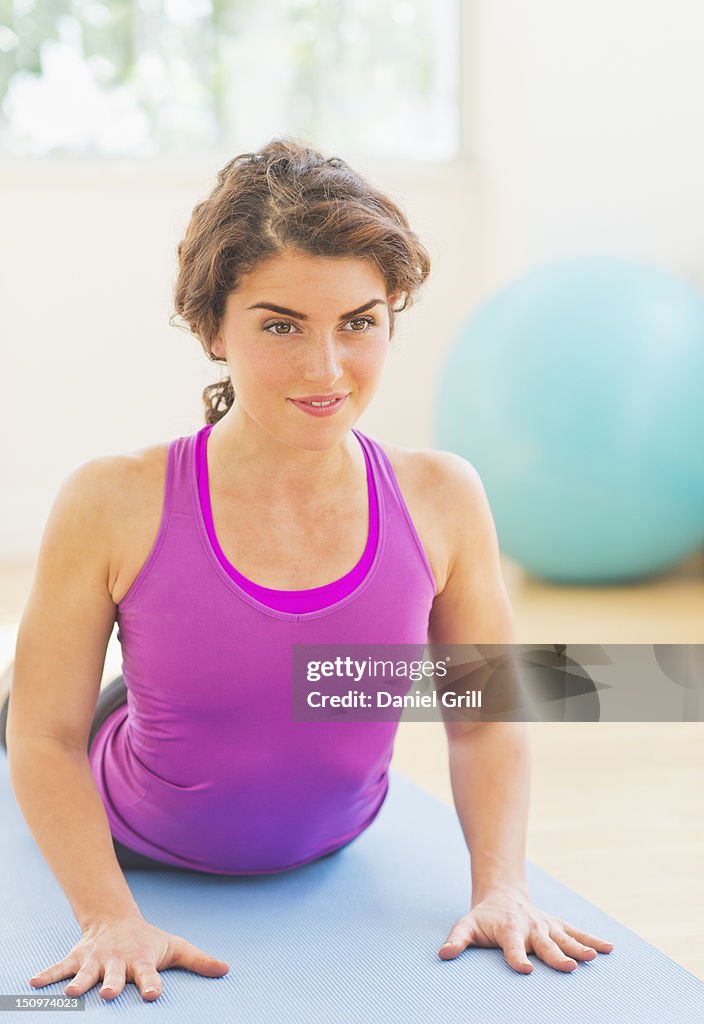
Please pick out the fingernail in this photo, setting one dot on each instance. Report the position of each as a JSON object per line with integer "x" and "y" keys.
{"x": 148, "y": 991}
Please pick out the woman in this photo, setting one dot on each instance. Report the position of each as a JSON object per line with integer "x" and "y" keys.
{"x": 276, "y": 523}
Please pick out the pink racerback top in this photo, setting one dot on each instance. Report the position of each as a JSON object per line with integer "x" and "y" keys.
{"x": 204, "y": 766}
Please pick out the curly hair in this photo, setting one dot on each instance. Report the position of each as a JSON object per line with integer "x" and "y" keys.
{"x": 286, "y": 196}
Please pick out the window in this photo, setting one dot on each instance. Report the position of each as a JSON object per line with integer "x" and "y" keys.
{"x": 143, "y": 78}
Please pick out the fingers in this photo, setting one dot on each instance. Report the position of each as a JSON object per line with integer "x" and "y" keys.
{"x": 117, "y": 972}
{"x": 600, "y": 945}
{"x": 145, "y": 976}
{"x": 450, "y": 949}
{"x": 549, "y": 951}
{"x": 509, "y": 939}
{"x": 560, "y": 946}
{"x": 85, "y": 979}
{"x": 514, "y": 950}
{"x": 147, "y": 979}
{"x": 114, "y": 979}
{"x": 571, "y": 946}
{"x": 457, "y": 940}
{"x": 56, "y": 972}
{"x": 185, "y": 954}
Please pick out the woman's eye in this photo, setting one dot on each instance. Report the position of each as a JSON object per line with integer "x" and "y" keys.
{"x": 365, "y": 320}
{"x": 279, "y": 323}
{"x": 369, "y": 320}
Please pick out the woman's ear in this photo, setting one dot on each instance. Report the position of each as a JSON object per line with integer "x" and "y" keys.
{"x": 216, "y": 347}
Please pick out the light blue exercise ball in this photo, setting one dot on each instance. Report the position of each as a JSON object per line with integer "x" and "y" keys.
{"x": 577, "y": 392}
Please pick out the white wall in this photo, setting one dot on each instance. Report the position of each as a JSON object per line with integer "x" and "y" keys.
{"x": 587, "y": 134}
{"x": 590, "y": 130}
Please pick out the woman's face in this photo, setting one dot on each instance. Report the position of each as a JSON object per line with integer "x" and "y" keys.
{"x": 330, "y": 335}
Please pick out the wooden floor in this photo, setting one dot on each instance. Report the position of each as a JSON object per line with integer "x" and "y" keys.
{"x": 617, "y": 809}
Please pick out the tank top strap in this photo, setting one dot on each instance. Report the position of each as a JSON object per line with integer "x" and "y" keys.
{"x": 179, "y": 486}
{"x": 400, "y": 528}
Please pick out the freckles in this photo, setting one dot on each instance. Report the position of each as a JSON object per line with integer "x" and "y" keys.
{"x": 268, "y": 367}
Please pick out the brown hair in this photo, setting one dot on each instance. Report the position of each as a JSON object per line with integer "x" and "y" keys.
{"x": 286, "y": 197}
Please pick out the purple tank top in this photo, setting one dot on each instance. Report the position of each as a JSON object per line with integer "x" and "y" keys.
{"x": 204, "y": 767}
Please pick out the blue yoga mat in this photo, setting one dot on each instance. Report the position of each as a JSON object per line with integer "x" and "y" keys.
{"x": 349, "y": 939}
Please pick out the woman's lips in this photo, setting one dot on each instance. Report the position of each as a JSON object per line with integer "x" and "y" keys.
{"x": 320, "y": 410}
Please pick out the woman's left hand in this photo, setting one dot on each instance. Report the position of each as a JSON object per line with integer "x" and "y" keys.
{"x": 504, "y": 917}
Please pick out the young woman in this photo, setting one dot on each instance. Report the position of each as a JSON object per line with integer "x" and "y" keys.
{"x": 275, "y": 523}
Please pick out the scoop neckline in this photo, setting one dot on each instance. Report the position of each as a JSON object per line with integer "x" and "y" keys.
{"x": 201, "y": 494}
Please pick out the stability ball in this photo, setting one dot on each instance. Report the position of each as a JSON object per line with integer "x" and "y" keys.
{"x": 577, "y": 392}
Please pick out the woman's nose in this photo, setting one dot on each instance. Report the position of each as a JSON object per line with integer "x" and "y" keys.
{"x": 323, "y": 362}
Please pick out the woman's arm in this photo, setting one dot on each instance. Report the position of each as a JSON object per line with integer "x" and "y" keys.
{"x": 490, "y": 776}
{"x": 59, "y": 659}
{"x": 56, "y": 792}
{"x": 490, "y": 761}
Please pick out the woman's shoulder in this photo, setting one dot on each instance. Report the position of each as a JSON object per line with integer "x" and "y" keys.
{"x": 127, "y": 478}
{"x": 432, "y": 483}
{"x": 427, "y": 467}
{"x": 137, "y": 467}
{"x": 110, "y": 476}
{"x": 133, "y": 487}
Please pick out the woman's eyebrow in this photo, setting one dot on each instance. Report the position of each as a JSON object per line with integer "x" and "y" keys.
{"x": 302, "y": 316}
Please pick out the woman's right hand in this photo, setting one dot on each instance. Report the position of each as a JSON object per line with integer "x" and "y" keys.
{"x": 122, "y": 950}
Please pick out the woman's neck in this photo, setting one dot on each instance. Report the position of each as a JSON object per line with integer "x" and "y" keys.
{"x": 248, "y": 459}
